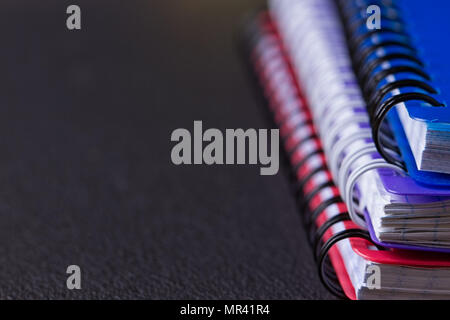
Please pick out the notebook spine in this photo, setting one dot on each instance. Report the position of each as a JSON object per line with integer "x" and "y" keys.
{"x": 388, "y": 68}
{"x": 303, "y": 147}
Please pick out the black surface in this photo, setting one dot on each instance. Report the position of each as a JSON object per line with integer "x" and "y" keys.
{"x": 85, "y": 170}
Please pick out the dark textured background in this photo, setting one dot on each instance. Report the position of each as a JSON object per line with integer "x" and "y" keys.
{"x": 85, "y": 170}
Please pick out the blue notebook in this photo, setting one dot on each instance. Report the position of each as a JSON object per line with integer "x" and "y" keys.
{"x": 404, "y": 71}
{"x": 429, "y": 29}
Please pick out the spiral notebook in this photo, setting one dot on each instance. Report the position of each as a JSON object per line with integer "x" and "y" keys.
{"x": 393, "y": 75}
{"x": 428, "y": 129}
{"x": 382, "y": 196}
{"x": 401, "y": 68}
{"x": 343, "y": 251}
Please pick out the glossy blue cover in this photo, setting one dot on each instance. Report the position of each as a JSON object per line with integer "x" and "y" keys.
{"x": 429, "y": 27}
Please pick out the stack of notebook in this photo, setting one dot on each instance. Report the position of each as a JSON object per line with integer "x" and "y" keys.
{"x": 364, "y": 121}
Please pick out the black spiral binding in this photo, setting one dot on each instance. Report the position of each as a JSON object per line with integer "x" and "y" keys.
{"x": 354, "y": 17}
{"x": 323, "y": 256}
{"x": 255, "y": 30}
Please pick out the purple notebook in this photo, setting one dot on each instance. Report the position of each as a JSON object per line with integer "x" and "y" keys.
{"x": 397, "y": 245}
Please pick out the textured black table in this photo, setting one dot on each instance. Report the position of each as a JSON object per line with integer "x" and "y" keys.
{"x": 85, "y": 170}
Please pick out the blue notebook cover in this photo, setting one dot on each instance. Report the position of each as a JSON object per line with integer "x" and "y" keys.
{"x": 428, "y": 29}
